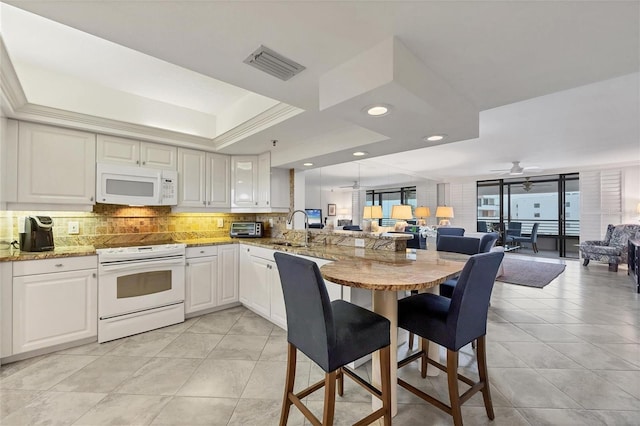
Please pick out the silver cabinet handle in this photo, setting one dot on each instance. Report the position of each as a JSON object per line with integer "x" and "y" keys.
{"x": 59, "y": 265}
{"x": 144, "y": 163}
{"x": 202, "y": 251}
{"x": 204, "y": 203}
{"x": 137, "y": 162}
{"x": 91, "y": 199}
{"x": 94, "y": 275}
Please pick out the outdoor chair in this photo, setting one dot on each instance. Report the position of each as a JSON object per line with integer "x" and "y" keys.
{"x": 532, "y": 239}
{"x": 331, "y": 334}
{"x": 453, "y": 323}
{"x": 514, "y": 229}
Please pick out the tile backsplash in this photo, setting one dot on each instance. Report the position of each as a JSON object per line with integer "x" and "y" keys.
{"x": 112, "y": 223}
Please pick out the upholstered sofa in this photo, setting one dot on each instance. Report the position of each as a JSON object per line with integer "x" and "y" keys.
{"x": 613, "y": 249}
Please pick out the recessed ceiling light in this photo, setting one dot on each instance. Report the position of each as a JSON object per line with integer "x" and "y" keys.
{"x": 378, "y": 110}
{"x": 359, "y": 153}
{"x": 434, "y": 138}
{"x": 307, "y": 164}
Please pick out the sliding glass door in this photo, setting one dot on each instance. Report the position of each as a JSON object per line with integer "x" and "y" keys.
{"x": 553, "y": 202}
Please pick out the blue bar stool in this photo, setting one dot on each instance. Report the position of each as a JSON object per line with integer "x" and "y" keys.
{"x": 331, "y": 334}
{"x": 454, "y": 323}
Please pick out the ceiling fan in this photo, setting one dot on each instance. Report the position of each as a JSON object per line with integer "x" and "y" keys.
{"x": 356, "y": 185}
{"x": 516, "y": 169}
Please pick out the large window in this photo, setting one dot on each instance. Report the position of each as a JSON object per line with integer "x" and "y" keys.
{"x": 552, "y": 201}
{"x": 390, "y": 197}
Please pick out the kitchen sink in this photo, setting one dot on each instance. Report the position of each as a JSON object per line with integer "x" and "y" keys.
{"x": 288, "y": 244}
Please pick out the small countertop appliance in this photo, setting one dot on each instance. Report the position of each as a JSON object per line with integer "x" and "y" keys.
{"x": 36, "y": 233}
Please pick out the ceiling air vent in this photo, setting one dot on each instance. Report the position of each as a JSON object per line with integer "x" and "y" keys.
{"x": 273, "y": 63}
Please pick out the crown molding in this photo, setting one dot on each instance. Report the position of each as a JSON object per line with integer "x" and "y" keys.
{"x": 9, "y": 83}
{"x": 262, "y": 121}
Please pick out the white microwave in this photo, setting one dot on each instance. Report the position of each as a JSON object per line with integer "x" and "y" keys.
{"x": 116, "y": 184}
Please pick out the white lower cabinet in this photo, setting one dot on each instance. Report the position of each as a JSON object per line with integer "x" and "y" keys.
{"x": 211, "y": 277}
{"x": 260, "y": 287}
{"x": 201, "y": 280}
{"x": 51, "y": 308}
{"x": 227, "y": 274}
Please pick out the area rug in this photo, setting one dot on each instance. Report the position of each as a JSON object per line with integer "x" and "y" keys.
{"x": 529, "y": 273}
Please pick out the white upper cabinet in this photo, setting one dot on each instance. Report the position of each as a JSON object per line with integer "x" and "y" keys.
{"x": 244, "y": 175}
{"x": 264, "y": 180}
{"x": 54, "y": 165}
{"x": 256, "y": 186}
{"x": 218, "y": 174}
{"x": 116, "y": 150}
{"x": 203, "y": 179}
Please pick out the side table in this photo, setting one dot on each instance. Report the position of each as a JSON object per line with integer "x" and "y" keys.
{"x": 633, "y": 262}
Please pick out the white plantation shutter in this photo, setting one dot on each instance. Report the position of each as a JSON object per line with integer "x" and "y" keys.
{"x": 600, "y": 202}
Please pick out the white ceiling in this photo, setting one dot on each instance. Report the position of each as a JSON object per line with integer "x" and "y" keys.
{"x": 555, "y": 83}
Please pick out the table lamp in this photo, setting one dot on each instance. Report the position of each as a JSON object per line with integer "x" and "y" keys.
{"x": 370, "y": 213}
{"x": 401, "y": 212}
{"x": 444, "y": 213}
{"x": 422, "y": 212}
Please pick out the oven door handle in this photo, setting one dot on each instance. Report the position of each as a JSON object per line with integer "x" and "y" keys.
{"x": 132, "y": 265}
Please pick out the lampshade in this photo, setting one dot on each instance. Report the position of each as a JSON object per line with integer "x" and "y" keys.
{"x": 422, "y": 212}
{"x": 372, "y": 212}
{"x": 638, "y": 208}
{"x": 444, "y": 211}
{"x": 401, "y": 211}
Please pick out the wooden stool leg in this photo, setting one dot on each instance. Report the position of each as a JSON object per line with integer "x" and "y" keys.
{"x": 385, "y": 379}
{"x": 425, "y": 354}
{"x": 329, "y": 398}
{"x": 289, "y": 382}
{"x": 410, "y": 340}
{"x": 484, "y": 377}
{"x": 340, "y": 377}
{"x": 454, "y": 393}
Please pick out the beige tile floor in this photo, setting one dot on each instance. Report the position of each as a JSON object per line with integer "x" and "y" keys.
{"x": 565, "y": 354}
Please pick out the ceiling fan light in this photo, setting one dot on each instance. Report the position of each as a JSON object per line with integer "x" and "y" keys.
{"x": 360, "y": 153}
{"x": 307, "y": 164}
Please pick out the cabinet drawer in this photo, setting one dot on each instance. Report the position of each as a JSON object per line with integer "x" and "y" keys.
{"x": 61, "y": 264}
{"x": 201, "y": 251}
{"x": 260, "y": 252}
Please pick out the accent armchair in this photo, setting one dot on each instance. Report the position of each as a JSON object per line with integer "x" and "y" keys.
{"x": 613, "y": 249}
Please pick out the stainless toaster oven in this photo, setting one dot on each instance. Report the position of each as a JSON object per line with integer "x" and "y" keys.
{"x": 246, "y": 229}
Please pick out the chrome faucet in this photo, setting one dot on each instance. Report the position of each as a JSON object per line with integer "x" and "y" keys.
{"x": 306, "y": 224}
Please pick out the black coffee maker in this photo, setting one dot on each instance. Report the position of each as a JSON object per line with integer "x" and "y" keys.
{"x": 37, "y": 234}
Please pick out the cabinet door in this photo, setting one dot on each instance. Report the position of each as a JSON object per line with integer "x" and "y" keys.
{"x": 56, "y": 165}
{"x": 49, "y": 309}
{"x": 278, "y": 310}
{"x": 201, "y": 282}
{"x": 227, "y": 274}
{"x": 244, "y": 171}
{"x": 246, "y": 276}
{"x": 191, "y": 178}
{"x": 118, "y": 150}
{"x": 260, "y": 300}
{"x": 280, "y": 188}
{"x": 264, "y": 180}
{"x": 157, "y": 156}
{"x": 218, "y": 175}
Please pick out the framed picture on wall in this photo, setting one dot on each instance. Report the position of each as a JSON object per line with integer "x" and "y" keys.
{"x": 331, "y": 209}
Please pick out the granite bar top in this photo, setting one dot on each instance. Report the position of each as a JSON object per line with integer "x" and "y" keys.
{"x": 420, "y": 269}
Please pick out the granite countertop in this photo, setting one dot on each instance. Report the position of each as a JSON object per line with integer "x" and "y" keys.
{"x": 318, "y": 250}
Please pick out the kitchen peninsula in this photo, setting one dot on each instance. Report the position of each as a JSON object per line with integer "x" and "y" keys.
{"x": 219, "y": 273}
